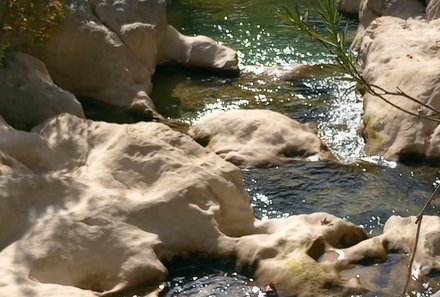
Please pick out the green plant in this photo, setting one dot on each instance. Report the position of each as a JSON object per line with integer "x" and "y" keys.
{"x": 27, "y": 19}
{"x": 335, "y": 43}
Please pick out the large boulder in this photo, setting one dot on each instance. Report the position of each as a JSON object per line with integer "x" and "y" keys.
{"x": 90, "y": 206}
{"x": 402, "y": 54}
{"x": 28, "y": 95}
{"x": 258, "y": 137}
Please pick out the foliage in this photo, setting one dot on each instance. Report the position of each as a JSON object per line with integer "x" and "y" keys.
{"x": 27, "y": 18}
{"x": 335, "y": 44}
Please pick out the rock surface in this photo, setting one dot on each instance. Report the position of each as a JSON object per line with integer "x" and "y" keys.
{"x": 257, "y": 137}
{"x": 197, "y": 52}
{"x": 372, "y": 9}
{"x": 402, "y": 54}
{"x": 90, "y": 208}
{"x": 95, "y": 206}
{"x": 28, "y": 95}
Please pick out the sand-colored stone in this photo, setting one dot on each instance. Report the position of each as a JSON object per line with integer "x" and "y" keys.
{"x": 402, "y": 54}
{"x": 95, "y": 206}
{"x": 258, "y": 137}
{"x": 372, "y": 9}
{"x": 197, "y": 51}
{"x": 28, "y": 95}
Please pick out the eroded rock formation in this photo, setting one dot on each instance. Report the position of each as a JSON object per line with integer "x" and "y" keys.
{"x": 92, "y": 208}
{"x": 402, "y": 54}
{"x": 258, "y": 137}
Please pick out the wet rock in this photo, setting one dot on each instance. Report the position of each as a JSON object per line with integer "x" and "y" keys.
{"x": 258, "y": 137}
{"x": 401, "y": 54}
{"x": 197, "y": 52}
{"x": 28, "y": 95}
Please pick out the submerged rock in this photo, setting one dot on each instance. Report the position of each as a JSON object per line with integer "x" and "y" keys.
{"x": 401, "y": 54}
{"x": 258, "y": 137}
{"x": 28, "y": 95}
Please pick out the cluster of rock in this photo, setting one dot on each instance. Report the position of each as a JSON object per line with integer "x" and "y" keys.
{"x": 92, "y": 208}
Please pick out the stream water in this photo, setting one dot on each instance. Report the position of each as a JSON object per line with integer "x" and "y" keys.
{"x": 365, "y": 191}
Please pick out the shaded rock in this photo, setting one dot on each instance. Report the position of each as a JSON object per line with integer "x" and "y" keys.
{"x": 433, "y": 10}
{"x": 372, "y": 9}
{"x": 257, "y": 137}
{"x": 402, "y": 54}
{"x": 198, "y": 52}
{"x": 349, "y": 7}
{"x": 28, "y": 95}
{"x": 95, "y": 206}
{"x": 107, "y": 50}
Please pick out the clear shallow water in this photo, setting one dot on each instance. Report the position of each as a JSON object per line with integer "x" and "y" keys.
{"x": 365, "y": 191}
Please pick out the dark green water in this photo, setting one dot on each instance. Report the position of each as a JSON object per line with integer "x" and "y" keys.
{"x": 363, "y": 190}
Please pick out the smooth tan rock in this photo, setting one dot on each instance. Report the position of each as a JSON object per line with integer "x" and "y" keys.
{"x": 433, "y": 10}
{"x": 372, "y": 9}
{"x": 402, "y": 54}
{"x": 257, "y": 137}
{"x": 199, "y": 52}
{"x": 96, "y": 206}
{"x": 28, "y": 95}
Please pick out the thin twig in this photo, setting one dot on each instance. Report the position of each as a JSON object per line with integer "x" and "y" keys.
{"x": 419, "y": 219}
